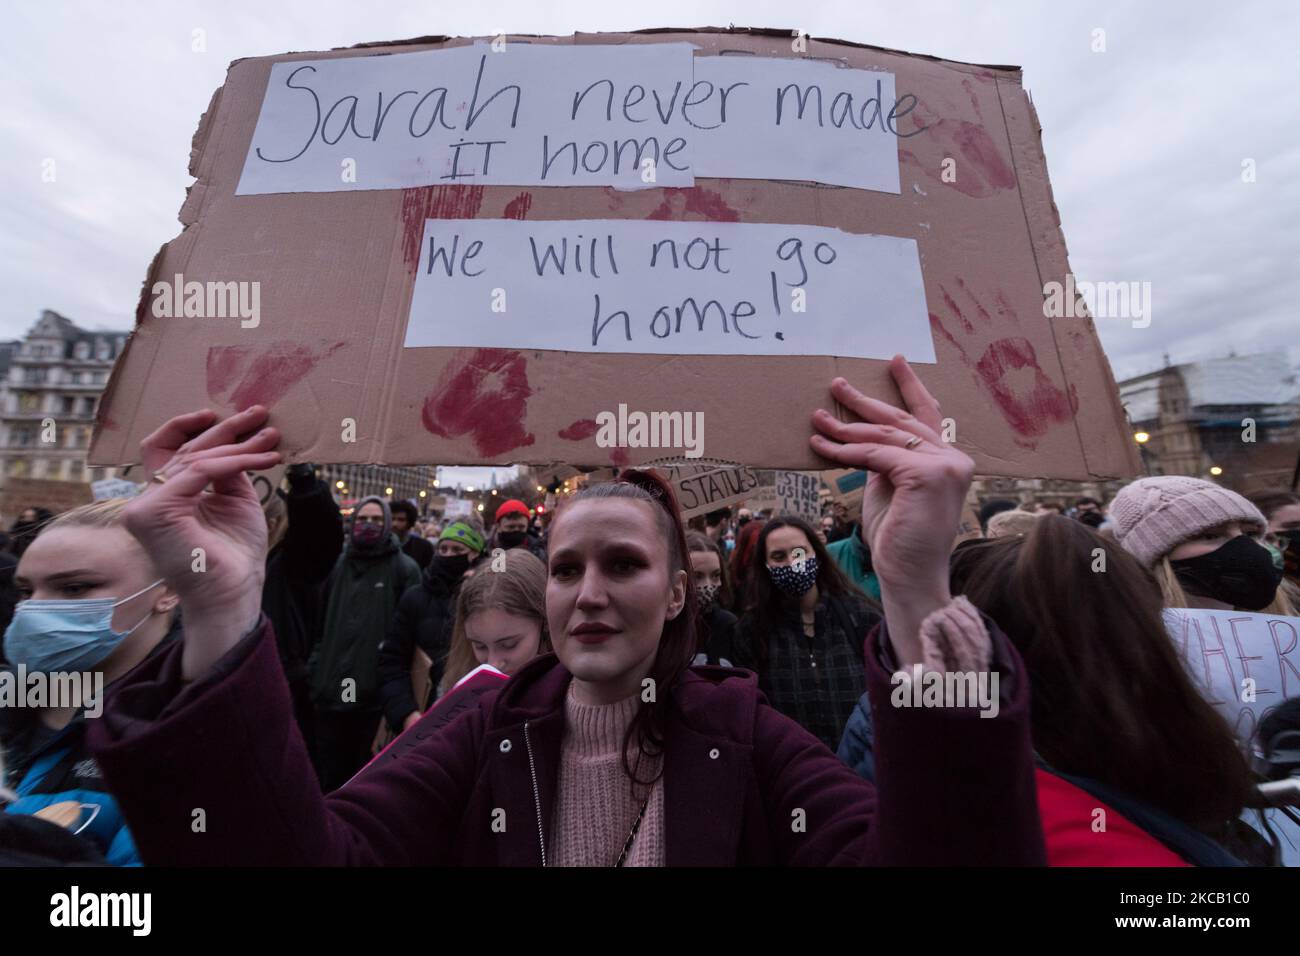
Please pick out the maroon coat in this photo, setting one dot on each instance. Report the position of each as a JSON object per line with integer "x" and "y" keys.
{"x": 739, "y": 778}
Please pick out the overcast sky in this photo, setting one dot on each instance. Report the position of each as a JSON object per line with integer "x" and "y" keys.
{"x": 1144, "y": 142}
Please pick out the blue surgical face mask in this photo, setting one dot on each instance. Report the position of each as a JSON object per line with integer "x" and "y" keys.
{"x": 66, "y": 635}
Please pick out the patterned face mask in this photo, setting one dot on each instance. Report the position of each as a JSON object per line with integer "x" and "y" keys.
{"x": 707, "y": 594}
{"x": 793, "y": 579}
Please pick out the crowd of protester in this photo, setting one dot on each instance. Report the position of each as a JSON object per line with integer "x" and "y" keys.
{"x": 721, "y": 691}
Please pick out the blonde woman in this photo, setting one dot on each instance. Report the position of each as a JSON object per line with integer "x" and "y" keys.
{"x": 500, "y": 618}
{"x": 94, "y": 603}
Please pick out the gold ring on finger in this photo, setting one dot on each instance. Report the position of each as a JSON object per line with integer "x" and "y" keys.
{"x": 913, "y": 442}
{"x": 159, "y": 477}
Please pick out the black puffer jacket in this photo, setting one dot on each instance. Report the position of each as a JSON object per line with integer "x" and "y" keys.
{"x": 424, "y": 619}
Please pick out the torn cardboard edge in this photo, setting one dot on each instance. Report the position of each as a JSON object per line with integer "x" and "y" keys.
{"x": 1042, "y": 225}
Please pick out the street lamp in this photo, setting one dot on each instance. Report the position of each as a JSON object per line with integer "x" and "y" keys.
{"x": 1142, "y": 438}
{"x": 339, "y": 485}
{"x": 389, "y": 492}
{"x": 1216, "y": 471}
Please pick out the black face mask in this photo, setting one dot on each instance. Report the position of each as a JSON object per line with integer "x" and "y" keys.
{"x": 1241, "y": 573}
{"x": 450, "y": 567}
{"x": 511, "y": 539}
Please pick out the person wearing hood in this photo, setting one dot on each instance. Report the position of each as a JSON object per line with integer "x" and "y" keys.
{"x": 512, "y": 530}
{"x": 424, "y": 619}
{"x": 364, "y": 589}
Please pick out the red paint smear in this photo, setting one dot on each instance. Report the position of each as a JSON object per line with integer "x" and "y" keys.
{"x": 108, "y": 424}
{"x": 582, "y": 428}
{"x": 969, "y": 87}
{"x": 947, "y": 300}
{"x": 981, "y": 171}
{"x": 1030, "y": 415}
{"x": 238, "y": 376}
{"x": 518, "y": 207}
{"x": 224, "y": 363}
{"x": 695, "y": 201}
{"x": 483, "y": 395}
{"x": 619, "y": 457}
{"x": 433, "y": 202}
{"x": 938, "y": 325}
{"x": 984, "y": 314}
{"x": 1004, "y": 307}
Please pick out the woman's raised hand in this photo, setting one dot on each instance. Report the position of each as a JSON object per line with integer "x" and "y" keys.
{"x": 913, "y": 500}
{"x": 201, "y": 523}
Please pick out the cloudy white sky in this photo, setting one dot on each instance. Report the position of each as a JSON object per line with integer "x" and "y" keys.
{"x": 1144, "y": 142}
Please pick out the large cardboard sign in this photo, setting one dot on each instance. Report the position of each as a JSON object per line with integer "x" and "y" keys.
{"x": 479, "y": 252}
{"x": 1246, "y": 664}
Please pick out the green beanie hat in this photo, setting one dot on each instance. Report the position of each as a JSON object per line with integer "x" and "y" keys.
{"x": 460, "y": 531}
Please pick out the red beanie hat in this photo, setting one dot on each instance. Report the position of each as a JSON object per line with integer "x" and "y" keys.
{"x": 512, "y": 507}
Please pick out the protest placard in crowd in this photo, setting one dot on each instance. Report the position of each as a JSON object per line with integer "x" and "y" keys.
{"x": 797, "y": 495}
{"x": 1246, "y": 663}
{"x": 709, "y": 487}
{"x": 605, "y": 248}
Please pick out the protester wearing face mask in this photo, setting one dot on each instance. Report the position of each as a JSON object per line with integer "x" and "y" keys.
{"x": 364, "y": 589}
{"x": 500, "y": 619}
{"x": 511, "y": 530}
{"x": 717, "y": 625}
{"x": 1202, "y": 542}
{"x": 803, "y": 630}
{"x": 1156, "y": 760}
{"x": 95, "y": 604}
{"x": 612, "y": 751}
{"x": 1282, "y": 509}
{"x": 423, "y": 624}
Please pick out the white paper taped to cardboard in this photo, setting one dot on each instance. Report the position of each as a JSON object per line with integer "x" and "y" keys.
{"x": 539, "y": 115}
{"x": 668, "y": 288}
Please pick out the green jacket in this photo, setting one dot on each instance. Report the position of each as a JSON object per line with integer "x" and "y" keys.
{"x": 855, "y": 561}
{"x": 363, "y": 593}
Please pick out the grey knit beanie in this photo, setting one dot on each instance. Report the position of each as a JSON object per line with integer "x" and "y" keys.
{"x": 1152, "y": 516}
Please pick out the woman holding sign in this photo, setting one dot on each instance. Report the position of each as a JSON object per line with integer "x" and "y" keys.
{"x": 610, "y": 752}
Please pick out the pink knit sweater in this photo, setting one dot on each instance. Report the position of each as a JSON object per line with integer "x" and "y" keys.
{"x": 596, "y": 802}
